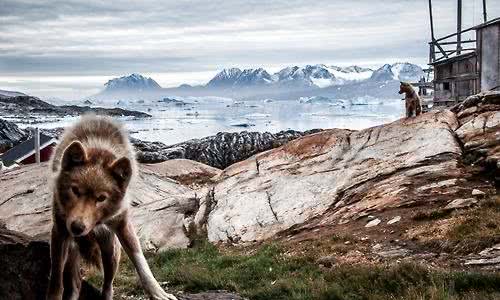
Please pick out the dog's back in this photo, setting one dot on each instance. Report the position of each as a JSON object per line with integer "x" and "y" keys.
{"x": 97, "y": 133}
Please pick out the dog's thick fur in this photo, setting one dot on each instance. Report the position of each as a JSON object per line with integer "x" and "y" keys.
{"x": 93, "y": 167}
{"x": 413, "y": 102}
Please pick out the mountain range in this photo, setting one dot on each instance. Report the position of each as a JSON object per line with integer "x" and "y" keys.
{"x": 289, "y": 83}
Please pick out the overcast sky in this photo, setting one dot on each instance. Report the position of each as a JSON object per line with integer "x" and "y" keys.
{"x": 70, "y": 48}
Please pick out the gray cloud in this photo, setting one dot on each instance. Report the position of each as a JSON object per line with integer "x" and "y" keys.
{"x": 41, "y": 38}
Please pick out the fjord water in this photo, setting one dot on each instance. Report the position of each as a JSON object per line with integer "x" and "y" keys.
{"x": 199, "y": 117}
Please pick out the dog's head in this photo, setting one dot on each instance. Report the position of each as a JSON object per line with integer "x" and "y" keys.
{"x": 91, "y": 186}
{"x": 405, "y": 87}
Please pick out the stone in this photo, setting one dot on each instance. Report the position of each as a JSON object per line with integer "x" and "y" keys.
{"x": 394, "y": 220}
{"x": 478, "y": 193}
{"x": 460, "y": 203}
{"x": 483, "y": 261}
{"x": 327, "y": 261}
{"x": 394, "y": 252}
{"x": 373, "y": 223}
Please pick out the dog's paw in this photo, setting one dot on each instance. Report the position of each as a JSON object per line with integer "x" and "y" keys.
{"x": 162, "y": 295}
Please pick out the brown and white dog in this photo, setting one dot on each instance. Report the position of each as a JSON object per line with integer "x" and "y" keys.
{"x": 93, "y": 167}
{"x": 413, "y": 102}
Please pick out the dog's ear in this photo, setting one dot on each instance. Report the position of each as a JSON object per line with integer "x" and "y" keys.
{"x": 121, "y": 169}
{"x": 74, "y": 155}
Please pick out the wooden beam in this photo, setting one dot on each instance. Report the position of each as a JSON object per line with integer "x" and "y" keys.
{"x": 459, "y": 26}
{"x": 432, "y": 49}
{"x": 453, "y": 34}
{"x": 441, "y": 50}
{"x": 453, "y": 51}
{"x": 37, "y": 144}
{"x": 454, "y": 42}
{"x": 485, "y": 14}
{"x": 432, "y": 21}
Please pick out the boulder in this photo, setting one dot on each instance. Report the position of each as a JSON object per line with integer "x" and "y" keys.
{"x": 479, "y": 130}
{"x": 460, "y": 203}
{"x": 162, "y": 208}
{"x": 336, "y": 176}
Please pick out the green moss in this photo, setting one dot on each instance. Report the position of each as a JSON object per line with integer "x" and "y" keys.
{"x": 270, "y": 273}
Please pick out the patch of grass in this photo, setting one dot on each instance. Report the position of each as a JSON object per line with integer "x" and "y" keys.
{"x": 431, "y": 215}
{"x": 479, "y": 229}
{"x": 271, "y": 273}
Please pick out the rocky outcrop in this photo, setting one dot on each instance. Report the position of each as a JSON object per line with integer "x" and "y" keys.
{"x": 162, "y": 209}
{"x": 219, "y": 151}
{"x": 26, "y": 106}
{"x": 10, "y": 135}
{"x": 338, "y": 176}
{"x": 479, "y": 130}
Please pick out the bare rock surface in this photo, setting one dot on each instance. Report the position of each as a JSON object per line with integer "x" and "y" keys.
{"x": 479, "y": 131}
{"x": 161, "y": 207}
{"x": 184, "y": 170}
{"x": 336, "y": 176}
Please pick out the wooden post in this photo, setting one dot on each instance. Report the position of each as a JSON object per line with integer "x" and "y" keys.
{"x": 459, "y": 27}
{"x": 432, "y": 55}
{"x": 37, "y": 145}
{"x": 485, "y": 15}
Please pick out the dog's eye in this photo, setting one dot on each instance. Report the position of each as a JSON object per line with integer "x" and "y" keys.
{"x": 75, "y": 191}
{"x": 101, "y": 198}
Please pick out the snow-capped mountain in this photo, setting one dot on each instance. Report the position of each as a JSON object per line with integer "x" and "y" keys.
{"x": 351, "y": 73}
{"x": 398, "y": 71}
{"x": 251, "y": 77}
{"x": 133, "y": 81}
{"x": 313, "y": 76}
{"x": 308, "y": 76}
{"x": 236, "y": 78}
{"x": 288, "y": 83}
{"x": 225, "y": 78}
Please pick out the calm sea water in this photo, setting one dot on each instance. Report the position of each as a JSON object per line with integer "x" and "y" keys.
{"x": 201, "y": 117}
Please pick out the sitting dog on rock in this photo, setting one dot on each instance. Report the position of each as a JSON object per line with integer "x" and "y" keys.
{"x": 412, "y": 100}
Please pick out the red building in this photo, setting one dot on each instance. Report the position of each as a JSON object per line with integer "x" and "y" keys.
{"x": 24, "y": 153}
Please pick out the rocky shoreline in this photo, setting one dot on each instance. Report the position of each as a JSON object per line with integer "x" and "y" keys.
{"x": 31, "y": 108}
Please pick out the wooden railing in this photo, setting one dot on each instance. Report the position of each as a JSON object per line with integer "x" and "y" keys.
{"x": 440, "y": 46}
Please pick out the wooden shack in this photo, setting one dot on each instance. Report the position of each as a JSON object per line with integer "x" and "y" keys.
{"x": 455, "y": 79}
{"x": 462, "y": 72}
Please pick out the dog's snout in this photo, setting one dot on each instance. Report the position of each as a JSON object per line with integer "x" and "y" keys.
{"x": 77, "y": 228}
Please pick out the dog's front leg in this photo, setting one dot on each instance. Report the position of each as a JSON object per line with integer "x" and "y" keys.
{"x": 130, "y": 243}
{"x": 59, "y": 245}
